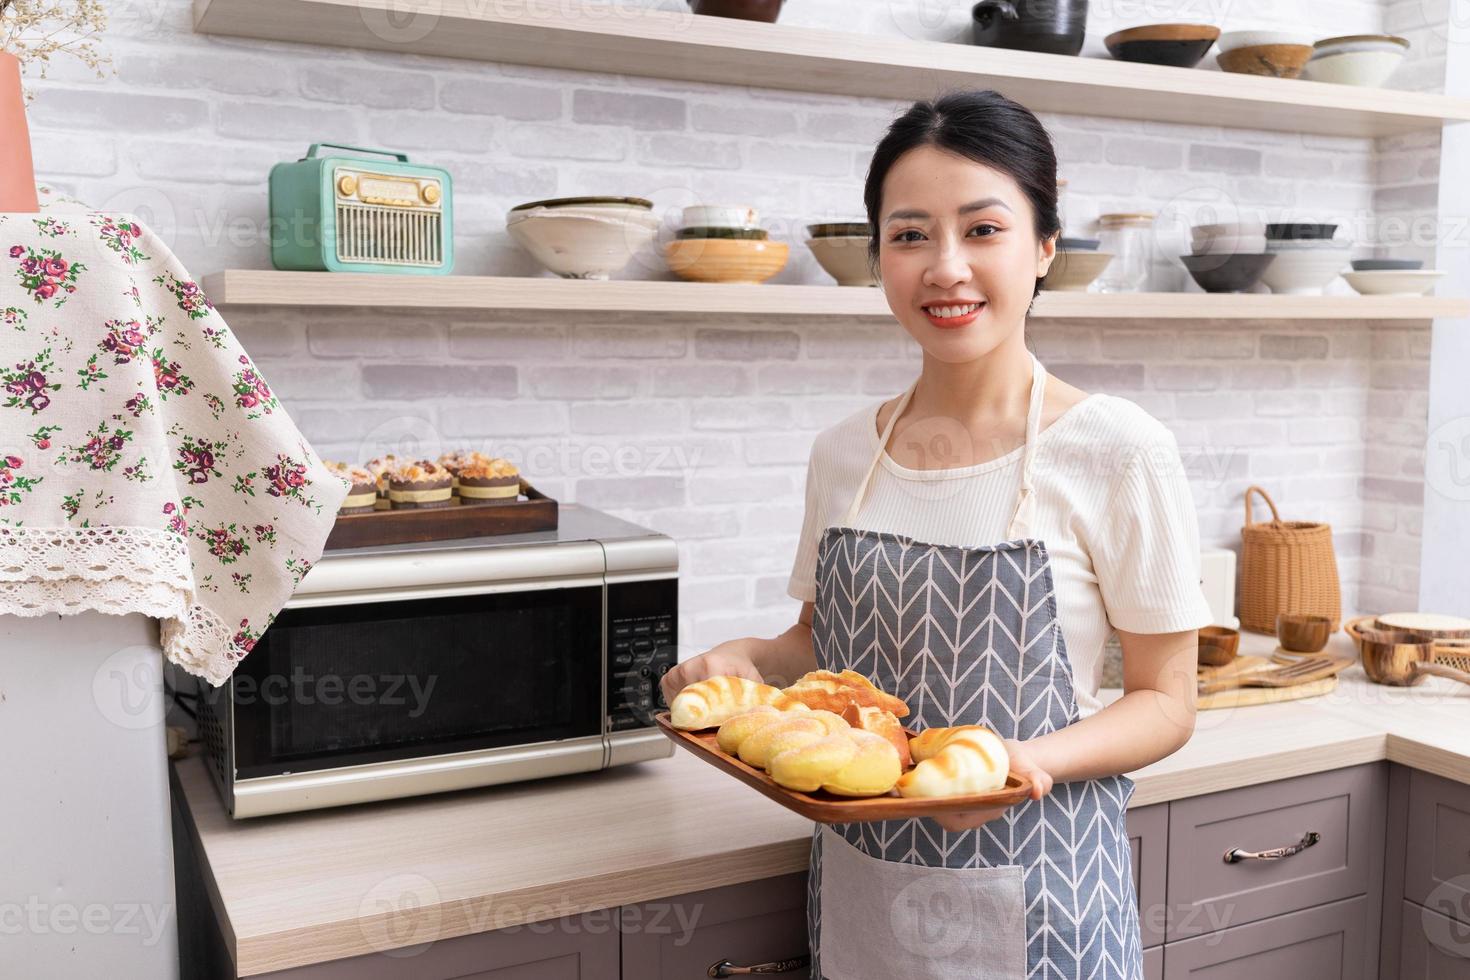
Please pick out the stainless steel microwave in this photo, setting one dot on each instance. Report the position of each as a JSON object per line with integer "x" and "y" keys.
{"x": 411, "y": 669}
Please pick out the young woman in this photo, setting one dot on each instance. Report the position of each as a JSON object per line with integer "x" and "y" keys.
{"x": 969, "y": 546}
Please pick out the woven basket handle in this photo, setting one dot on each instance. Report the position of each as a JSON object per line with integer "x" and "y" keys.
{"x": 1275, "y": 517}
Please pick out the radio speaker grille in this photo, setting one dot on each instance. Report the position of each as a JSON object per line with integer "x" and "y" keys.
{"x": 389, "y": 236}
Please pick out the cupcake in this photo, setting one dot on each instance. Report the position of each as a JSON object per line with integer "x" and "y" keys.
{"x": 420, "y": 486}
{"x": 379, "y": 468}
{"x": 363, "y": 497}
{"x": 458, "y": 460}
{"x": 489, "y": 480}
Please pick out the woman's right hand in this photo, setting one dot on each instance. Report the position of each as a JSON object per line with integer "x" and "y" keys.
{"x": 729, "y": 658}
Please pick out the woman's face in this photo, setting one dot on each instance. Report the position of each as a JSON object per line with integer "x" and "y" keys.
{"x": 958, "y": 253}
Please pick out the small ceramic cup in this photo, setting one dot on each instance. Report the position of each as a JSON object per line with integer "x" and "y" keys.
{"x": 1302, "y": 633}
{"x": 1217, "y": 645}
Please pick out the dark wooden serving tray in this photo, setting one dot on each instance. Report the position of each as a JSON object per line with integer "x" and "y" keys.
{"x": 536, "y": 513}
{"x": 824, "y": 807}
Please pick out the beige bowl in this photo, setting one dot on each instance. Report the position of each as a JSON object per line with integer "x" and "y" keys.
{"x": 845, "y": 258}
{"x": 1271, "y": 60}
{"x": 582, "y": 243}
{"x": 726, "y": 259}
{"x": 1075, "y": 271}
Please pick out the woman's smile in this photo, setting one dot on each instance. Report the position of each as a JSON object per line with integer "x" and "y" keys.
{"x": 951, "y": 314}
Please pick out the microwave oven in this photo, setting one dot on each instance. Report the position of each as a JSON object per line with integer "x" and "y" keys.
{"x": 420, "y": 668}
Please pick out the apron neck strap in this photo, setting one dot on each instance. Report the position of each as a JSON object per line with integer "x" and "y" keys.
{"x": 1020, "y": 525}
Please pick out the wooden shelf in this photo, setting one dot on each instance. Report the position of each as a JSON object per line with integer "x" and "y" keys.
{"x": 266, "y": 288}
{"x": 664, "y": 44}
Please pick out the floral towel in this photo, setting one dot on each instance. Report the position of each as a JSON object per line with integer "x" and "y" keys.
{"x": 145, "y": 465}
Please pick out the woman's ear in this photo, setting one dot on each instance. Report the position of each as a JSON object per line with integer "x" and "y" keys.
{"x": 1046, "y": 252}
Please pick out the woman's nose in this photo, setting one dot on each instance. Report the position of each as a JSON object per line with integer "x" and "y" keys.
{"x": 949, "y": 268}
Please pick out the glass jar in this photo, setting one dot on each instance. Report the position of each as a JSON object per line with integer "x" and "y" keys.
{"x": 1129, "y": 239}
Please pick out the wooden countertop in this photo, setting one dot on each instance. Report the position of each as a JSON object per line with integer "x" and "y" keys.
{"x": 312, "y": 887}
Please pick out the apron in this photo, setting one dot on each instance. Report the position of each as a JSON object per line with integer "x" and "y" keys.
{"x": 966, "y": 635}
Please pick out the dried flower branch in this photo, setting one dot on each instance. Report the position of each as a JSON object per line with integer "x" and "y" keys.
{"x": 35, "y": 30}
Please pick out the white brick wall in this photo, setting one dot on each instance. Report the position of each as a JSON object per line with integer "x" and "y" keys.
{"x": 701, "y": 428}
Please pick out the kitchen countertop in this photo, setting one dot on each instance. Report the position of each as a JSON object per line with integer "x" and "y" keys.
{"x": 312, "y": 887}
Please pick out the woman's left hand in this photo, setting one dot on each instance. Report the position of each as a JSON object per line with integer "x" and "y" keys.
{"x": 1022, "y": 764}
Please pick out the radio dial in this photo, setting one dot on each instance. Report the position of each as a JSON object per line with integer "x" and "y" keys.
{"x": 430, "y": 193}
{"x": 347, "y": 185}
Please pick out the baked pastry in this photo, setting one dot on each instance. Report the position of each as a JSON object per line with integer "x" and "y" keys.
{"x": 420, "y": 486}
{"x": 834, "y": 692}
{"x": 715, "y": 700}
{"x": 881, "y": 722}
{"x": 778, "y": 736}
{"x": 379, "y": 468}
{"x": 852, "y": 763}
{"x": 955, "y": 761}
{"x": 737, "y": 729}
{"x": 363, "y": 497}
{"x": 482, "y": 481}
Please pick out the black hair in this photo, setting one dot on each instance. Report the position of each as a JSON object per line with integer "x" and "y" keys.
{"x": 983, "y": 126}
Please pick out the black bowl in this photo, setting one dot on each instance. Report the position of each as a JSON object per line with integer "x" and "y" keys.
{"x": 1387, "y": 265}
{"x": 1047, "y": 26}
{"x": 1299, "y": 231}
{"x": 1227, "y": 273}
{"x": 761, "y": 10}
{"x": 748, "y": 234}
{"x": 1078, "y": 244}
{"x": 1175, "y": 45}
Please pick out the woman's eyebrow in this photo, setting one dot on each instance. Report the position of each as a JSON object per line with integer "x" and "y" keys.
{"x": 911, "y": 214}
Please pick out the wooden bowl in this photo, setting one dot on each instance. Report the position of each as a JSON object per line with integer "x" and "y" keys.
{"x": 1302, "y": 633}
{"x": 1271, "y": 60}
{"x": 1401, "y": 658}
{"x": 1217, "y": 645}
{"x": 726, "y": 259}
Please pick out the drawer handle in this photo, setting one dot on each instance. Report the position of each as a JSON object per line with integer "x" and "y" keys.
{"x": 1235, "y": 854}
{"x": 725, "y": 968}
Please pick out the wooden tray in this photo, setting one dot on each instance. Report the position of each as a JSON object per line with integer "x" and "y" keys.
{"x": 824, "y": 807}
{"x": 1241, "y": 697}
{"x": 536, "y": 513}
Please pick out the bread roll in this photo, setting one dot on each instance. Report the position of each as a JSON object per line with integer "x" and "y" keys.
{"x": 756, "y": 750}
{"x": 955, "y": 762}
{"x": 742, "y": 726}
{"x": 715, "y": 700}
{"x": 834, "y": 692}
{"x": 805, "y": 769}
{"x": 884, "y": 723}
{"x": 872, "y": 771}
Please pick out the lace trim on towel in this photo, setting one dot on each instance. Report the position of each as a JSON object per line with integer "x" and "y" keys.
{"x": 116, "y": 570}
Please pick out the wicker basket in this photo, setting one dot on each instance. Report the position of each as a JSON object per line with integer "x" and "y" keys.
{"x": 1286, "y": 567}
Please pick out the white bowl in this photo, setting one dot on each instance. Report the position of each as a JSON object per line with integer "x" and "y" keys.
{"x": 582, "y": 243}
{"x": 845, "y": 258}
{"x": 1393, "y": 282}
{"x": 1370, "y": 69}
{"x": 721, "y": 216}
{"x": 1230, "y": 228}
{"x": 1231, "y": 40}
{"x": 1361, "y": 42}
{"x": 1305, "y": 271}
{"x": 1230, "y": 245}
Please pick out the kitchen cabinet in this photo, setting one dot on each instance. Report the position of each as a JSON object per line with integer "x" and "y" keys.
{"x": 1426, "y": 892}
{"x": 1434, "y": 946}
{"x": 1148, "y": 838}
{"x": 1437, "y": 864}
{"x": 1327, "y": 942}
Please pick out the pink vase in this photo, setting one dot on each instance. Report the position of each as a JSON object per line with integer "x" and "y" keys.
{"x": 17, "y": 173}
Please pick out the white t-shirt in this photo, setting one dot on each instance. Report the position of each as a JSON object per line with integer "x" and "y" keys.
{"x": 1113, "y": 506}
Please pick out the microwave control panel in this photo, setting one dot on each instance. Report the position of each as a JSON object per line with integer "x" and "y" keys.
{"x": 642, "y": 631}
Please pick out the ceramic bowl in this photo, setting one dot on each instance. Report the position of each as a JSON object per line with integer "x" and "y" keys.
{"x": 1289, "y": 231}
{"x": 1217, "y": 645}
{"x": 1230, "y": 245}
{"x": 759, "y": 234}
{"x": 582, "y": 203}
{"x": 1370, "y": 69}
{"x": 726, "y": 260}
{"x": 1231, "y": 40}
{"x": 1073, "y": 272}
{"x": 1393, "y": 282}
{"x": 845, "y": 259}
{"x": 1230, "y": 228}
{"x": 1051, "y": 27}
{"x": 1305, "y": 272}
{"x": 1078, "y": 244}
{"x": 1271, "y": 60}
{"x": 721, "y": 216}
{"x": 1301, "y": 633}
{"x": 1177, "y": 45}
{"x": 1384, "y": 265}
{"x": 762, "y": 10}
{"x": 839, "y": 229}
{"x": 1227, "y": 273}
{"x": 582, "y": 243}
{"x": 1361, "y": 42}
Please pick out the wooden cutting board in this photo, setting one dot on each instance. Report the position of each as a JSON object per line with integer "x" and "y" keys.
{"x": 1242, "y": 696}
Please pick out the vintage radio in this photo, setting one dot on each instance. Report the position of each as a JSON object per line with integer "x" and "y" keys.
{"x": 349, "y": 212}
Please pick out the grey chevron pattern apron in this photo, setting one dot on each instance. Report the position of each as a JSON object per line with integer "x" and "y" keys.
{"x": 966, "y": 635}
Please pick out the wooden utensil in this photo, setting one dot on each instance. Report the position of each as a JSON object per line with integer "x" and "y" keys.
{"x": 824, "y": 807}
{"x": 1303, "y": 633}
{"x": 1402, "y": 658}
{"x": 1242, "y": 697}
{"x": 1303, "y": 671}
{"x": 1218, "y": 645}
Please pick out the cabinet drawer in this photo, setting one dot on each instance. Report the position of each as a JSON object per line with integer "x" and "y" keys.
{"x": 1323, "y": 943}
{"x": 682, "y": 937}
{"x": 1153, "y": 963}
{"x": 1435, "y": 947}
{"x": 1437, "y": 867}
{"x": 1343, "y": 808}
{"x": 1148, "y": 838}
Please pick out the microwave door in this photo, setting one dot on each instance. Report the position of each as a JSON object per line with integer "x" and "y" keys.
{"x": 336, "y": 685}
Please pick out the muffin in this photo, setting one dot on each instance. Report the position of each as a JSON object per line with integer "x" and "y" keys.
{"x": 379, "y": 468}
{"x": 458, "y": 460}
{"x": 363, "y": 497}
{"x": 420, "y": 486}
{"x": 490, "y": 480}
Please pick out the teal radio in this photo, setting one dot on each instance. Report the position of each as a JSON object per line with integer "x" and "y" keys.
{"x": 356, "y": 212}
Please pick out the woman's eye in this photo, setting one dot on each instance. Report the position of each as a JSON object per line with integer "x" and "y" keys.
{"x": 909, "y": 236}
{"x": 983, "y": 231}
